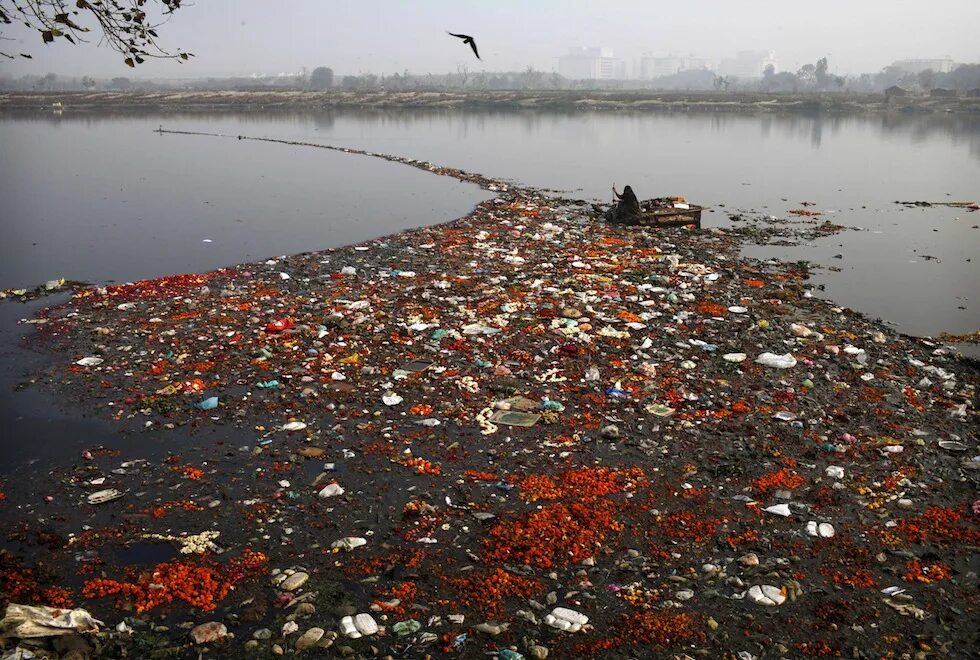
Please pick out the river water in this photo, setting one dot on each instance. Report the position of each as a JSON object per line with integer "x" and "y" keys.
{"x": 103, "y": 197}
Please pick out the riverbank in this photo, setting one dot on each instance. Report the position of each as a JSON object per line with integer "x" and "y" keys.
{"x": 561, "y": 101}
{"x": 524, "y": 432}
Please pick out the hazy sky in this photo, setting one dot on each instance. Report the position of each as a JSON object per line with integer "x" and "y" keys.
{"x": 241, "y": 37}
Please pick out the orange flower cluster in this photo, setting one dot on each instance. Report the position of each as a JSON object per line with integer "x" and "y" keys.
{"x": 423, "y": 466}
{"x": 664, "y": 628}
{"x": 20, "y": 584}
{"x": 189, "y": 471}
{"x": 403, "y": 592}
{"x": 913, "y": 399}
{"x": 688, "y": 526}
{"x": 628, "y": 317}
{"x": 649, "y": 628}
{"x": 421, "y": 409}
{"x": 257, "y": 510}
{"x": 486, "y": 591}
{"x": 536, "y": 487}
{"x": 711, "y": 309}
{"x": 735, "y": 540}
{"x": 160, "y": 287}
{"x": 480, "y": 476}
{"x": 557, "y": 535}
{"x": 938, "y": 525}
{"x": 358, "y": 568}
{"x": 201, "y": 586}
{"x": 413, "y": 508}
{"x": 249, "y": 563}
{"x": 860, "y": 578}
{"x": 891, "y": 482}
{"x": 639, "y": 596}
{"x": 57, "y": 597}
{"x": 584, "y": 484}
{"x": 926, "y": 573}
{"x": 161, "y": 511}
{"x": 755, "y": 284}
{"x": 780, "y": 479}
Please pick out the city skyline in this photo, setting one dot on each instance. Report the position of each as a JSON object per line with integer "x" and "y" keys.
{"x": 251, "y": 37}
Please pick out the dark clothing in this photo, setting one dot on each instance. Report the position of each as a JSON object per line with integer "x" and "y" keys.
{"x": 627, "y": 209}
{"x": 628, "y": 202}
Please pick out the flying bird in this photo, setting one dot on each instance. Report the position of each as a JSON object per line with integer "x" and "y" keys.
{"x": 467, "y": 39}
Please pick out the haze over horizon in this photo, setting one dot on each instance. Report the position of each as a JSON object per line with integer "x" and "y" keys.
{"x": 245, "y": 37}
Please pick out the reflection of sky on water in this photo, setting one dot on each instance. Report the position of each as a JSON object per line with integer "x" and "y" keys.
{"x": 289, "y": 199}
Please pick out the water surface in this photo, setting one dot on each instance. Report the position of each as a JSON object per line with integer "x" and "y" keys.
{"x": 103, "y": 197}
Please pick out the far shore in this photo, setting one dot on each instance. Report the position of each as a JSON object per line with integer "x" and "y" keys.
{"x": 558, "y": 101}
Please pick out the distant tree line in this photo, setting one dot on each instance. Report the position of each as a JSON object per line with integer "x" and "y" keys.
{"x": 810, "y": 78}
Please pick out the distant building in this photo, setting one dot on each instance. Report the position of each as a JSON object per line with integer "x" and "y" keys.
{"x": 895, "y": 91}
{"x": 591, "y": 64}
{"x": 748, "y": 64}
{"x": 941, "y": 65}
{"x": 939, "y": 92}
{"x": 974, "y": 93}
{"x": 656, "y": 67}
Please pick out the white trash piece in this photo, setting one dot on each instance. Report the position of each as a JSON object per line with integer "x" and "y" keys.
{"x": 784, "y": 361}
{"x": 28, "y": 621}
{"x": 331, "y": 490}
{"x": 358, "y": 626}
{"x": 391, "y": 399}
{"x": 823, "y": 530}
{"x": 565, "y": 619}
{"x": 834, "y": 471}
{"x": 734, "y": 357}
{"x": 778, "y": 509}
{"x": 800, "y": 330}
{"x": 348, "y": 543}
{"x": 103, "y": 496}
{"x": 89, "y": 361}
{"x": 767, "y": 595}
{"x": 294, "y": 426}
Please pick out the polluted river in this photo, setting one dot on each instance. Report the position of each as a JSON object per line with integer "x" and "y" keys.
{"x": 363, "y": 401}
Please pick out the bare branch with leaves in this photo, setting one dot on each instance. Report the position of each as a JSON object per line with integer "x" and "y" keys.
{"x": 129, "y": 27}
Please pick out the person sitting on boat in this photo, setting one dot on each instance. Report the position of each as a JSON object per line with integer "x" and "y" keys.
{"x": 627, "y": 208}
{"x": 628, "y": 203}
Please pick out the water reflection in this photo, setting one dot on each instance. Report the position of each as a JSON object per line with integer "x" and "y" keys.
{"x": 915, "y": 127}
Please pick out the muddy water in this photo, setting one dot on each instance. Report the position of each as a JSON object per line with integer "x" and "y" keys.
{"x": 103, "y": 197}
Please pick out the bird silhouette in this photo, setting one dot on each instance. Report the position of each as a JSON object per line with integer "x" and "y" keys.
{"x": 467, "y": 39}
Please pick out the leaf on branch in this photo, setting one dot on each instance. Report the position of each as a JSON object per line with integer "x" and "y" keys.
{"x": 65, "y": 20}
{"x": 82, "y": 4}
{"x": 70, "y": 40}
{"x": 47, "y": 36}
{"x": 30, "y": 57}
{"x": 129, "y": 62}
{"x": 184, "y": 56}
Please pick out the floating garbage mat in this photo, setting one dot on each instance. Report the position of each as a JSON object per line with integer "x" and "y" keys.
{"x": 524, "y": 433}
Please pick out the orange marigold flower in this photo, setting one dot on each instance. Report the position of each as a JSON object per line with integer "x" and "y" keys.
{"x": 926, "y": 573}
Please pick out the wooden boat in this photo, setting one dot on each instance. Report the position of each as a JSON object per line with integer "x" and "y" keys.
{"x": 667, "y": 213}
{"x": 660, "y": 212}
